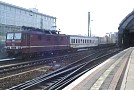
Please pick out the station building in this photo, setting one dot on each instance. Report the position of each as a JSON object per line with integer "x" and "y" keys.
{"x": 13, "y": 17}
{"x": 126, "y": 31}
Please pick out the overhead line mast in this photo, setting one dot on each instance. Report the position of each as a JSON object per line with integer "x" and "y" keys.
{"x": 89, "y": 30}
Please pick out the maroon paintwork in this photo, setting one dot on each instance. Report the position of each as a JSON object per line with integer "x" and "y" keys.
{"x": 37, "y": 42}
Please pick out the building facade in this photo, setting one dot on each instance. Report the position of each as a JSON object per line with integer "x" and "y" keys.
{"x": 13, "y": 17}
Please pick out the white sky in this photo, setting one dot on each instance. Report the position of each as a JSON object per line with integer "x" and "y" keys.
{"x": 72, "y": 15}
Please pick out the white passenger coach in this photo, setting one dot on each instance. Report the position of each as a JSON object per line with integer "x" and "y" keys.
{"x": 83, "y": 41}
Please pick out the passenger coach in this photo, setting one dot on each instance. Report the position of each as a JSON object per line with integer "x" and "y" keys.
{"x": 83, "y": 41}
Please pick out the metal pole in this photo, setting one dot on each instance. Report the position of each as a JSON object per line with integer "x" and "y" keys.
{"x": 89, "y": 30}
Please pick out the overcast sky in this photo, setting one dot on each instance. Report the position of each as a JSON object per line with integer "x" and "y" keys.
{"x": 72, "y": 15}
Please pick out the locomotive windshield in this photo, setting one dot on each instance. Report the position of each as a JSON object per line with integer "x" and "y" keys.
{"x": 9, "y": 35}
{"x": 13, "y": 35}
{"x": 17, "y": 36}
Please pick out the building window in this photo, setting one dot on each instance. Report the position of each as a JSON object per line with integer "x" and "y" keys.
{"x": 7, "y": 8}
{"x": 2, "y": 7}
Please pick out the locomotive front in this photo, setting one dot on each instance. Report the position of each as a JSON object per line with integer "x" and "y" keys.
{"x": 13, "y": 43}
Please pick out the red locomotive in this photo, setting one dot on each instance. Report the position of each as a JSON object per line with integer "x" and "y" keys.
{"x": 30, "y": 41}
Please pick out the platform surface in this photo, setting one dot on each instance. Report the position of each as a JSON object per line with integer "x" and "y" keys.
{"x": 116, "y": 73}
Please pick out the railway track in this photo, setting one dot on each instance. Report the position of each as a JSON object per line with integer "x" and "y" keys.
{"x": 61, "y": 77}
{"x": 13, "y": 74}
{"x": 7, "y": 61}
{"x": 49, "y": 61}
{"x": 16, "y": 66}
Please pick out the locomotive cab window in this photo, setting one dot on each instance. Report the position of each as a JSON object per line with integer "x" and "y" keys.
{"x": 17, "y": 36}
{"x": 9, "y": 35}
{"x": 13, "y": 35}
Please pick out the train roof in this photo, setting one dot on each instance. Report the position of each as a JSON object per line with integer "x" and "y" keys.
{"x": 81, "y": 36}
{"x": 37, "y": 30}
{"x": 32, "y": 29}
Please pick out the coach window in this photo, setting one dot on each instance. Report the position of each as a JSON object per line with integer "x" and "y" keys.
{"x": 72, "y": 40}
{"x": 81, "y": 40}
{"x": 90, "y": 41}
{"x": 87, "y": 41}
{"x": 76, "y": 40}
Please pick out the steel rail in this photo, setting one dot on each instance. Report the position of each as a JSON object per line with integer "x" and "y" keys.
{"x": 58, "y": 85}
{"x": 38, "y": 80}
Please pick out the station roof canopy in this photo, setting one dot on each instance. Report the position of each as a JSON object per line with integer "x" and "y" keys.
{"x": 127, "y": 23}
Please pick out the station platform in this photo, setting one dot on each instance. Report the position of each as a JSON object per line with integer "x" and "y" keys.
{"x": 116, "y": 73}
